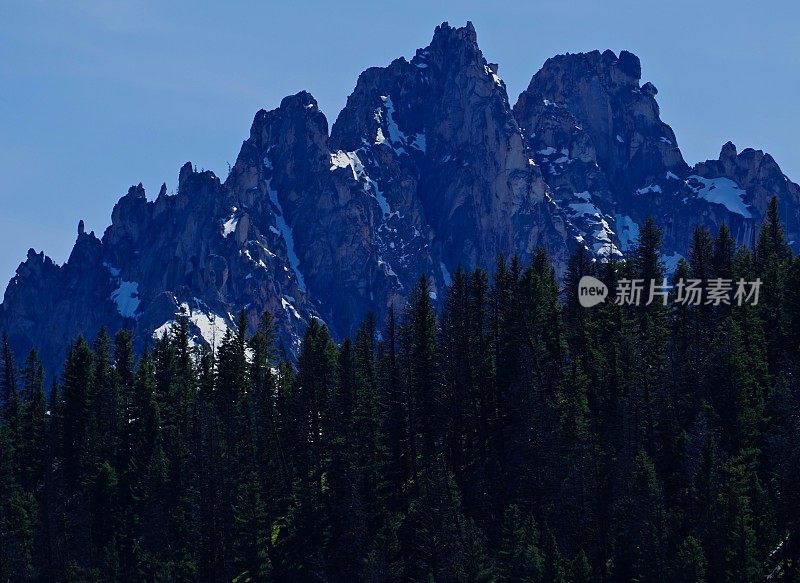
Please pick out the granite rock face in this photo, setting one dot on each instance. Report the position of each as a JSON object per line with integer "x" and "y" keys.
{"x": 756, "y": 178}
{"x": 596, "y": 132}
{"x": 201, "y": 252}
{"x": 428, "y": 168}
{"x": 425, "y": 170}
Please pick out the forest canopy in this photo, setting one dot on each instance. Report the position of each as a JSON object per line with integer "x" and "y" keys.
{"x": 514, "y": 436}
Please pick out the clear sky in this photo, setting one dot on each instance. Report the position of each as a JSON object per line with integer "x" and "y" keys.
{"x": 97, "y": 95}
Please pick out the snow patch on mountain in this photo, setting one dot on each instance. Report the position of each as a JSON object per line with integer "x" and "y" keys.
{"x": 126, "y": 294}
{"x": 627, "y": 233}
{"x": 285, "y": 231}
{"x": 655, "y": 188}
{"x": 229, "y": 226}
{"x": 597, "y": 235}
{"x": 340, "y": 159}
{"x": 448, "y": 281}
{"x": 351, "y": 160}
{"x": 205, "y": 325}
{"x": 497, "y": 80}
{"x": 722, "y": 191}
{"x": 287, "y": 304}
{"x": 396, "y": 137}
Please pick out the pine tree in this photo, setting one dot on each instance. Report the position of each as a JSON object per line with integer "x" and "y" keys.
{"x": 104, "y": 496}
{"x": 22, "y": 461}
{"x": 394, "y": 412}
{"x": 724, "y": 249}
{"x": 9, "y": 379}
{"x": 33, "y": 440}
{"x": 472, "y": 563}
{"x": 309, "y": 445}
{"x": 520, "y": 557}
{"x": 641, "y": 530}
{"x": 735, "y": 524}
{"x": 650, "y": 399}
{"x": 269, "y": 442}
{"x": 370, "y": 453}
{"x": 250, "y": 544}
{"x": 555, "y": 567}
{"x": 690, "y": 562}
{"x": 77, "y": 449}
{"x": 235, "y": 440}
{"x": 580, "y": 568}
{"x": 772, "y": 256}
{"x": 180, "y": 384}
{"x": 144, "y": 475}
{"x": 422, "y": 381}
{"x": 10, "y": 412}
{"x": 701, "y": 317}
{"x": 342, "y": 499}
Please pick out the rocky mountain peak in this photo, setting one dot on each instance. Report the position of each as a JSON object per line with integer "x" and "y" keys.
{"x": 204, "y": 180}
{"x": 425, "y": 170}
{"x": 87, "y": 247}
{"x": 759, "y": 177}
{"x": 627, "y": 67}
{"x": 137, "y": 191}
{"x": 441, "y": 126}
{"x": 186, "y": 170}
{"x": 561, "y": 74}
{"x": 746, "y": 167}
{"x": 302, "y": 100}
{"x": 36, "y": 267}
{"x": 597, "y": 136}
{"x": 446, "y": 37}
{"x": 297, "y": 128}
{"x": 452, "y": 46}
{"x": 727, "y": 154}
{"x": 602, "y": 92}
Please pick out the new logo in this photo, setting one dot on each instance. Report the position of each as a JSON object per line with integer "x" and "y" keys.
{"x": 591, "y": 291}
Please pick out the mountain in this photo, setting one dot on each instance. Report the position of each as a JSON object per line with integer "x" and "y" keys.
{"x": 427, "y": 168}
{"x": 596, "y": 132}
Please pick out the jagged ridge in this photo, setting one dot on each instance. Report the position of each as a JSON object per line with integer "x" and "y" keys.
{"x": 427, "y": 168}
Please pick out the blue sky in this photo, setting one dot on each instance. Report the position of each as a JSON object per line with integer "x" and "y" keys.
{"x": 98, "y": 95}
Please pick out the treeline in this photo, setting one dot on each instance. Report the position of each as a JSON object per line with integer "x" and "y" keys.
{"x": 514, "y": 437}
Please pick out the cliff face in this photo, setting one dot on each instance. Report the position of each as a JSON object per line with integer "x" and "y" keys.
{"x": 597, "y": 134}
{"x": 201, "y": 252}
{"x": 756, "y": 178}
{"x": 611, "y": 161}
{"x": 427, "y": 168}
{"x": 438, "y": 131}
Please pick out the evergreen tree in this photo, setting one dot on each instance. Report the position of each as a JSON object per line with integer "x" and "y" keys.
{"x": 32, "y": 436}
{"x": 14, "y": 526}
{"x": 520, "y": 557}
{"x": 690, "y": 563}
{"x": 641, "y": 531}
{"x": 309, "y": 445}
{"x": 772, "y": 257}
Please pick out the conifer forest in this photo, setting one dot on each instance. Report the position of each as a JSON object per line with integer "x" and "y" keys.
{"x": 511, "y": 436}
